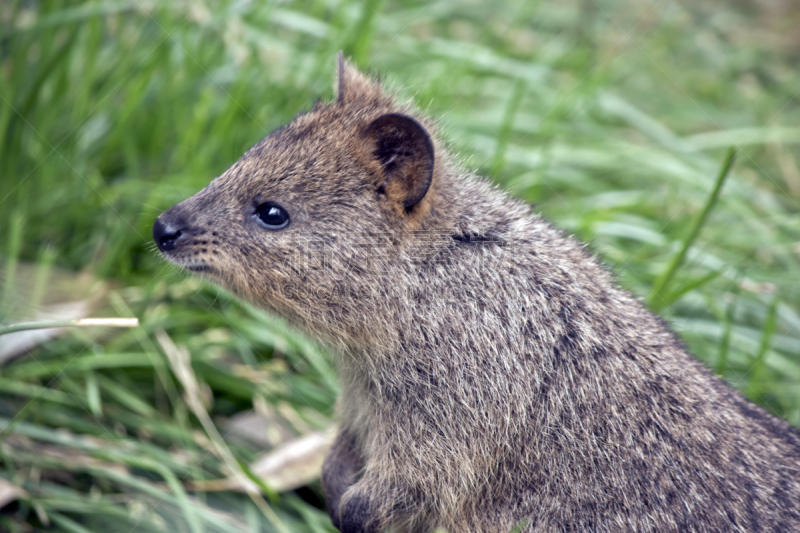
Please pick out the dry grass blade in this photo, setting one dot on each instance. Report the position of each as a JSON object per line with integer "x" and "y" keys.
{"x": 292, "y": 465}
{"x": 71, "y": 323}
{"x": 10, "y": 492}
{"x": 180, "y": 361}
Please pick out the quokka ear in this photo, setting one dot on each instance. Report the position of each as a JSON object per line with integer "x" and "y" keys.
{"x": 340, "y": 76}
{"x": 353, "y": 88}
{"x": 404, "y": 151}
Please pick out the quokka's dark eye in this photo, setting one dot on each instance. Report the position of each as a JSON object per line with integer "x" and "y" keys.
{"x": 272, "y": 216}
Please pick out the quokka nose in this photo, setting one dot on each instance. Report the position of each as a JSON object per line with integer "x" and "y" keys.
{"x": 166, "y": 235}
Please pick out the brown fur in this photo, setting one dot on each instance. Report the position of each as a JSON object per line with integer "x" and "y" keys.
{"x": 491, "y": 369}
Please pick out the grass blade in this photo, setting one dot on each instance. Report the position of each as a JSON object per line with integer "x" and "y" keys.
{"x": 755, "y": 385}
{"x": 655, "y": 298}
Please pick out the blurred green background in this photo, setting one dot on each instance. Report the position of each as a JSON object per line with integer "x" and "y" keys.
{"x": 612, "y": 116}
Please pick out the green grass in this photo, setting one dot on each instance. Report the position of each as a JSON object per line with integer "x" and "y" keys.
{"x": 613, "y": 117}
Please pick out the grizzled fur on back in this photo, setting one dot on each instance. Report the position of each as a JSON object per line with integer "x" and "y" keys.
{"x": 492, "y": 371}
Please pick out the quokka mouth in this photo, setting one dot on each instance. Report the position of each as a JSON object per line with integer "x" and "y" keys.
{"x": 198, "y": 268}
{"x": 191, "y": 266}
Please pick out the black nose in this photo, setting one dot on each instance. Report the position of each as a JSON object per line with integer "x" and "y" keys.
{"x": 166, "y": 235}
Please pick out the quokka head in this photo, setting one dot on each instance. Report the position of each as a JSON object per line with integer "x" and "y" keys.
{"x": 318, "y": 220}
